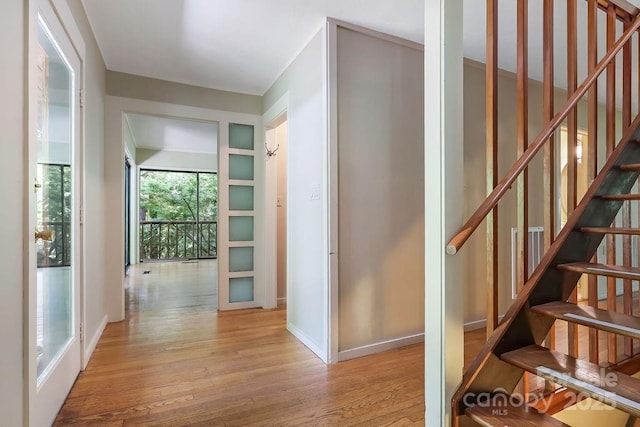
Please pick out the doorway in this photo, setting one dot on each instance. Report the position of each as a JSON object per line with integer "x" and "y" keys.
{"x": 127, "y": 214}
{"x": 281, "y": 208}
{"x": 276, "y": 146}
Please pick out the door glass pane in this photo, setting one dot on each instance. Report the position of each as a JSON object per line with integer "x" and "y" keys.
{"x": 240, "y": 198}
{"x": 240, "y": 167}
{"x": 53, "y": 202}
{"x": 240, "y": 228}
{"x": 241, "y": 289}
{"x": 241, "y": 136}
{"x": 240, "y": 259}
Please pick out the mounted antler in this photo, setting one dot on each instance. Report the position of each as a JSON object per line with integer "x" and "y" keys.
{"x": 271, "y": 153}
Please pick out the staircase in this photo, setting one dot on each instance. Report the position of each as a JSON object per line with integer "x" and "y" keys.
{"x": 515, "y": 346}
{"x": 489, "y": 394}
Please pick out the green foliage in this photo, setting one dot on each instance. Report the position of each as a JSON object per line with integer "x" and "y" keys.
{"x": 173, "y": 196}
{"x": 180, "y": 209}
{"x": 54, "y": 213}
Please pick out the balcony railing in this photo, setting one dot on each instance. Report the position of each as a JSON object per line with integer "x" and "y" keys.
{"x": 175, "y": 240}
{"x": 57, "y": 252}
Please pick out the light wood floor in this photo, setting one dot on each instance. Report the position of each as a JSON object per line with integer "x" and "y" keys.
{"x": 176, "y": 361}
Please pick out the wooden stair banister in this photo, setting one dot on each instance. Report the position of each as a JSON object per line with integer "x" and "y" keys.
{"x": 516, "y": 347}
{"x": 622, "y": 5}
{"x": 521, "y": 164}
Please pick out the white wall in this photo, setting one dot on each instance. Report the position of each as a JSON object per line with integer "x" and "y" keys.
{"x": 12, "y": 143}
{"x": 380, "y": 124}
{"x": 307, "y": 227}
{"x": 95, "y": 316}
{"x": 176, "y": 160}
{"x": 138, "y": 87}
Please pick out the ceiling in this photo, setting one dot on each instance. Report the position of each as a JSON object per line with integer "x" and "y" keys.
{"x": 163, "y": 133}
{"x": 235, "y": 45}
{"x": 244, "y": 45}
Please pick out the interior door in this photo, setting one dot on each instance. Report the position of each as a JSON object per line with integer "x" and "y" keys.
{"x": 54, "y": 347}
{"x": 237, "y": 287}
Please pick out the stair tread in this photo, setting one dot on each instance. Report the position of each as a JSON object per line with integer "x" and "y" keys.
{"x": 603, "y": 384}
{"x": 510, "y": 415}
{"x": 620, "y": 197}
{"x": 631, "y": 167}
{"x": 611, "y": 230}
{"x": 618, "y": 271}
{"x": 618, "y": 323}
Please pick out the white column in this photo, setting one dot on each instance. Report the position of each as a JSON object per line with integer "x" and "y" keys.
{"x": 444, "y": 332}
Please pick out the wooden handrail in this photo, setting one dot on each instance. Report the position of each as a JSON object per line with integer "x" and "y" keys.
{"x": 520, "y": 165}
{"x": 622, "y": 5}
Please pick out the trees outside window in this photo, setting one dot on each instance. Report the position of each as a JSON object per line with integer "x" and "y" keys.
{"x": 178, "y": 215}
{"x": 54, "y": 214}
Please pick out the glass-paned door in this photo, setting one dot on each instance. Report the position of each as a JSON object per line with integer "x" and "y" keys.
{"x": 54, "y": 207}
{"x": 237, "y": 262}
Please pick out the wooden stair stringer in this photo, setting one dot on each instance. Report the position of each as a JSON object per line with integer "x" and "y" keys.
{"x": 521, "y": 327}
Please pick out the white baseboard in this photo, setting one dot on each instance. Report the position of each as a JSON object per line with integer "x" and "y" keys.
{"x": 307, "y": 342}
{"x": 282, "y": 301}
{"x": 91, "y": 345}
{"x": 367, "y": 350}
{"x": 478, "y": 324}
